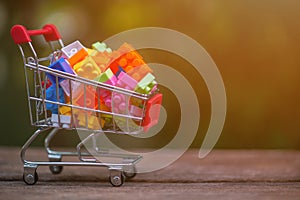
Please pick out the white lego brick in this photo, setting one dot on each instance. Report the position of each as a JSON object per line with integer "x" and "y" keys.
{"x": 65, "y": 120}
{"x": 69, "y": 50}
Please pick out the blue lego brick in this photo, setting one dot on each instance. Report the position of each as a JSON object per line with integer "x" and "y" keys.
{"x": 61, "y": 65}
{"x": 51, "y": 96}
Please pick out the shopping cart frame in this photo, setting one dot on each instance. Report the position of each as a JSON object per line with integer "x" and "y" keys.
{"x": 118, "y": 171}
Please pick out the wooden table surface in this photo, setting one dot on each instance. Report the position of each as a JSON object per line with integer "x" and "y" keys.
{"x": 224, "y": 174}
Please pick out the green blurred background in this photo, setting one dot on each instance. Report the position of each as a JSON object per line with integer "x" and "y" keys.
{"x": 255, "y": 44}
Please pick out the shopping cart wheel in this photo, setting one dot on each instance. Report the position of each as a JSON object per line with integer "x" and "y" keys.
{"x": 116, "y": 178}
{"x": 129, "y": 171}
{"x": 56, "y": 169}
{"x": 30, "y": 178}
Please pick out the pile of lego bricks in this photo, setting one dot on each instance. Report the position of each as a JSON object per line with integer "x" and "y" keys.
{"x": 122, "y": 68}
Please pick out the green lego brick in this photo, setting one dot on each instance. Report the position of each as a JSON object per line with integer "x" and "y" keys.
{"x": 105, "y": 76}
{"x": 101, "y": 47}
{"x": 146, "y": 84}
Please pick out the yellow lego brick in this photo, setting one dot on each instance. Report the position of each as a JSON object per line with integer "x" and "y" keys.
{"x": 91, "y": 52}
{"x": 93, "y": 122}
{"x": 65, "y": 110}
{"x": 87, "y": 68}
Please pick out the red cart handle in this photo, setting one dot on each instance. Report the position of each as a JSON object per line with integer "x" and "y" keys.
{"x": 21, "y": 35}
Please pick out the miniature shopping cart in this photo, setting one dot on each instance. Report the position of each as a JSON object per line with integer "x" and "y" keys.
{"x": 37, "y": 75}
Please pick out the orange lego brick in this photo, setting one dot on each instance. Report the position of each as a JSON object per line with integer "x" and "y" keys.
{"x": 127, "y": 58}
{"x": 88, "y": 100}
{"x": 102, "y": 60}
{"x": 139, "y": 72}
{"x": 77, "y": 57}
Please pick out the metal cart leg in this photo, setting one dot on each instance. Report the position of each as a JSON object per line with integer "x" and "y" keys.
{"x": 56, "y": 156}
{"x": 30, "y": 175}
{"x": 53, "y": 156}
{"x": 48, "y": 139}
{"x": 28, "y": 143}
{"x": 80, "y": 154}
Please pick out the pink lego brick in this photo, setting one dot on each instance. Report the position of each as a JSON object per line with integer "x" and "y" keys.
{"x": 118, "y": 98}
{"x": 125, "y": 81}
{"x": 76, "y": 87}
{"x": 122, "y": 107}
{"x": 112, "y": 81}
{"x": 107, "y": 102}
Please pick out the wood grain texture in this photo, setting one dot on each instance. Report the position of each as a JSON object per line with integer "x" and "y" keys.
{"x": 225, "y": 174}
